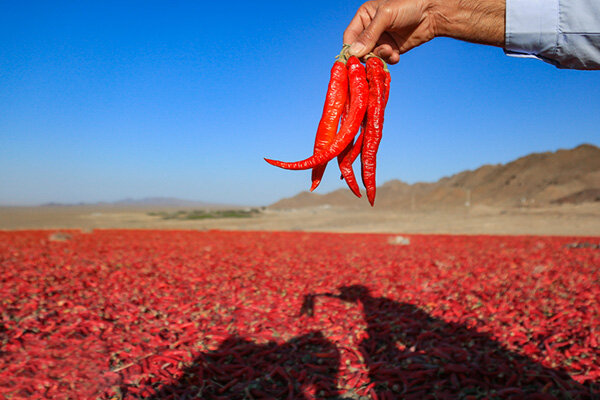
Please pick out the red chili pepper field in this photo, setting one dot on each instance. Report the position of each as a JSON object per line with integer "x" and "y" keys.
{"x": 294, "y": 315}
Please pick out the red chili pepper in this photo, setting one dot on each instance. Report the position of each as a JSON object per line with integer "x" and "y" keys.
{"x": 359, "y": 93}
{"x": 344, "y": 152}
{"x": 346, "y": 164}
{"x": 335, "y": 104}
{"x": 386, "y": 84}
{"x": 378, "y": 93}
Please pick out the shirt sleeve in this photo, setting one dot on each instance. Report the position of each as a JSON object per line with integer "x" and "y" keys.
{"x": 565, "y": 33}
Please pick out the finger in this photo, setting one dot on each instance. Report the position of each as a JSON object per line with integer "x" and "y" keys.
{"x": 361, "y": 20}
{"x": 394, "y": 58}
{"x": 387, "y": 53}
{"x": 388, "y": 49}
{"x": 365, "y": 42}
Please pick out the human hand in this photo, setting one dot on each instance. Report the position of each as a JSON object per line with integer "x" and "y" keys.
{"x": 389, "y": 28}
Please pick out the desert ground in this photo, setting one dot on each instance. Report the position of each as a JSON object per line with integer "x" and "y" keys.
{"x": 568, "y": 219}
{"x": 551, "y": 193}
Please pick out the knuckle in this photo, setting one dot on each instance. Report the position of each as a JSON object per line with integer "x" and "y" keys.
{"x": 386, "y": 10}
{"x": 365, "y": 7}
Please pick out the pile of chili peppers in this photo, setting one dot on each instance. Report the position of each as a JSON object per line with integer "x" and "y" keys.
{"x": 356, "y": 97}
{"x": 124, "y": 315}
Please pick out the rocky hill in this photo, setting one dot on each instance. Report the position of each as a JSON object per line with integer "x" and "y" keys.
{"x": 564, "y": 176}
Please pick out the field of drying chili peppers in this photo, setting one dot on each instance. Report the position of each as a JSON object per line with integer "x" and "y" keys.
{"x": 288, "y": 315}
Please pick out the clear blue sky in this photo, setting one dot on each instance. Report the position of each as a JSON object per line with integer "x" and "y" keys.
{"x": 107, "y": 100}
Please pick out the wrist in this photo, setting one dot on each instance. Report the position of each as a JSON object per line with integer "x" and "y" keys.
{"x": 478, "y": 21}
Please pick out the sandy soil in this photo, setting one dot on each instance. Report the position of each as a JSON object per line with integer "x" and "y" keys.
{"x": 583, "y": 220}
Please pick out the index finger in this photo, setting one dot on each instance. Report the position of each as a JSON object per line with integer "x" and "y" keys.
{"x": 361, "y": 20}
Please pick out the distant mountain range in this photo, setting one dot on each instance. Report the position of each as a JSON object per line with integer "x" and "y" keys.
{"x": 564, "y": 176}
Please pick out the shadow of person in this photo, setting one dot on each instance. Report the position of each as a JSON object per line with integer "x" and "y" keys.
{"x": 304, "y": 367}
{"x": 410, "y": 354}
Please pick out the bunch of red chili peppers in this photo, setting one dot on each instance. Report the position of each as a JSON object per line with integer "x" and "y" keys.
{"x": 356, "y": 97}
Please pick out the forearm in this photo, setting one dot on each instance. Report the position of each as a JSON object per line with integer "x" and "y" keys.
{"x": 477, "y": 21}
{"x": 565, "y": 33}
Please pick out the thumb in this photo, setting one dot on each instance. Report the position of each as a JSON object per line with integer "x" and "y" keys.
{"x": 366, "y": 41}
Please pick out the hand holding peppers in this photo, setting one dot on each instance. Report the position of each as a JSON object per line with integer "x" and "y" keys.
{"x": 358, "y": 98}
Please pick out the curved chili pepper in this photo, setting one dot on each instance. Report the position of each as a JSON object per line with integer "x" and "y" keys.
{"x": 349, "y": 158}
{"x": 376, "y": 76}
{"x": 359, "y": 93}
{"x": 335, "y": 103}
{"x": 386, "y": 84}
{"x": 348, "y": 148}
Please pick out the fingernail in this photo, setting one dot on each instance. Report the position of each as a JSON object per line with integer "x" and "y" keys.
{"x": 356, "y": 48}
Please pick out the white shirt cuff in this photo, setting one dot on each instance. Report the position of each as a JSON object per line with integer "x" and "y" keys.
{"x": 531, "y": 28}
